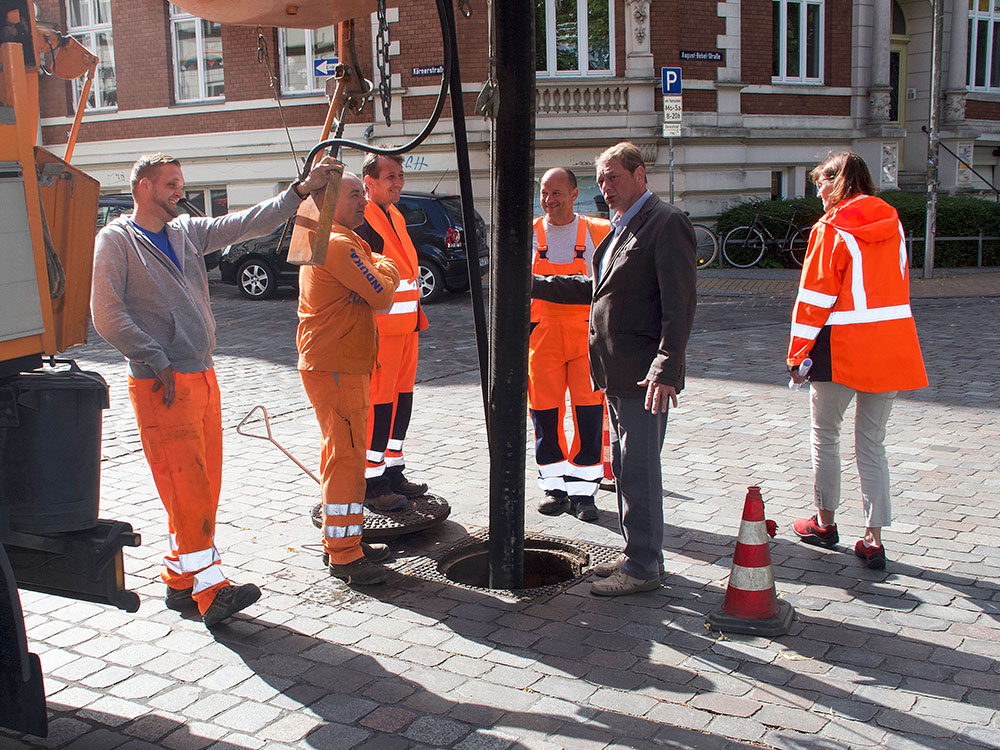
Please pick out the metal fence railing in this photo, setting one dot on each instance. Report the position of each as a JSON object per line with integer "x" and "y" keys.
{"x": 978, "y": 239}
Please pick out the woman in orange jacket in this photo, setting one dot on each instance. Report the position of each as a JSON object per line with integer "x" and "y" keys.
{"x": 852, "y": 319}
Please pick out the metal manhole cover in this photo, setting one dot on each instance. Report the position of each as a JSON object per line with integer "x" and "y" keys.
{"x": 429, "y": 569}
{"x": 420, "y": 513}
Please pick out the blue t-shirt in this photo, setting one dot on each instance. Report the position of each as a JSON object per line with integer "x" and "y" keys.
{"x": 161, "y": 242}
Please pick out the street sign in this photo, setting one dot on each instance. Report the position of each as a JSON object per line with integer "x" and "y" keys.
{"x": 672, "y": 109}
{"x": 671, "y": 81}
{"x": 325, "y": 66}
{"x": 671, "y": 130}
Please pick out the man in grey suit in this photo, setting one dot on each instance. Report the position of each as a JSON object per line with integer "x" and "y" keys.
{"x": 642, "y": 309}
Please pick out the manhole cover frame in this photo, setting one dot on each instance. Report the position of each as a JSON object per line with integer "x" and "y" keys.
{"x": 429, "y": 568}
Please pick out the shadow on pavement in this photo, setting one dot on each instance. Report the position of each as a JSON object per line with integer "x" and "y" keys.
{"x": 357, "y": 698}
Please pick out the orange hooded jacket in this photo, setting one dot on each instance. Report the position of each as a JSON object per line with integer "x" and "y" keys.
{"x": 337, "y": 334}
{"x": 852, "y": 315}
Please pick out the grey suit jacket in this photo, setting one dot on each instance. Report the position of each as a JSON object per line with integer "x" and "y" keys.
{"x": 642, "y": 306}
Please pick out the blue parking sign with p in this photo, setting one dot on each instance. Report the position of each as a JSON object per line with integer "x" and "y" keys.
{"x": 671, "y": 81}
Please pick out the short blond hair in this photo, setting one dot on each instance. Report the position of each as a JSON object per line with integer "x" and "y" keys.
{"x": 625, "y": 152}
{"x": 146, "y": 166}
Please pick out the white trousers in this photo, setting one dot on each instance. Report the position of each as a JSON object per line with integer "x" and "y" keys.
{"x": 828, "y": 402}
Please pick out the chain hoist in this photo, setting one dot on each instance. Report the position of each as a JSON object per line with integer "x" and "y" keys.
{"x": 382, "y": 42}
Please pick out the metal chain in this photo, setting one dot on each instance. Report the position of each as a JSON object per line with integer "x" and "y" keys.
{"x": 265, "y": 59}
{"x": 382, "y": 42}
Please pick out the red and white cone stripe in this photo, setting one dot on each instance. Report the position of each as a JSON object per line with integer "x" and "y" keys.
{"x": 751, "y": 591}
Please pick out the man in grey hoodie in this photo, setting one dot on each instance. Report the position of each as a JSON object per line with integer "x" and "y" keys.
{"x": 150, "y": 301}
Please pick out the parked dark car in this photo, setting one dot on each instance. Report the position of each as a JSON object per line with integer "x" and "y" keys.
{"x": 112, "y": 206}
{"x": 259, "y": 266}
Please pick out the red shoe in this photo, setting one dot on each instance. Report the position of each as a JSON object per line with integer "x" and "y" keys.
{"x": 811, "y": 532}
{"x": 873, "y": 557}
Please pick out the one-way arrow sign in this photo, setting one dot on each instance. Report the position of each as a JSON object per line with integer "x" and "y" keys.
{"x": 325, "y": 66}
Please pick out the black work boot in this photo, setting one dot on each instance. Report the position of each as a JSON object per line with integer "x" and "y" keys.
{"x": 400, "y": 484}
{"x": 360, "y": 572}
{"x": 180, "y": 600}
{"x": 380, "y": 497}
{"x": 555, "y": 503}
{"x": 228, "y": 601}
{"x": 583, "y": 507}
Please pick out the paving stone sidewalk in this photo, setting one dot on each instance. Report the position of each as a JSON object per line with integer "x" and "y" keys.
{"x": 905, "y": 658}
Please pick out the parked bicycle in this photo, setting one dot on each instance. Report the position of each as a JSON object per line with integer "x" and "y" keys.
{"x": 744, "y": 246}
{"x": 706, "y": 245}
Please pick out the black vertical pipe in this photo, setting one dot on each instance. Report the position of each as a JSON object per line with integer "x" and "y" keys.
{"x": 468, "y": 208}
{"x": 513, "y": 164}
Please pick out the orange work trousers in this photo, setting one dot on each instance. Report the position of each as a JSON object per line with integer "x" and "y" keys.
{"x": 183, "y": 446}
{"x": 391, "y": 402}
{"x": 341, "y": 404}
{"x": 558, "y": 361}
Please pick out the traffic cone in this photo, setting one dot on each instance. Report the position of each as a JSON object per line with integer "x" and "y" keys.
{"x": 608, "y": 482}
{"x": 752, "y": 605}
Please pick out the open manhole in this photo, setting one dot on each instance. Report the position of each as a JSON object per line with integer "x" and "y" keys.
{"x": 546, "y": 563}
{"x": 551, "y": 565}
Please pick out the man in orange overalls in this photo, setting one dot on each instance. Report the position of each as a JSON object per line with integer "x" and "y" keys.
{"x": 557, "y": 356}
{"x": 337, "y": 347}
{"x": 398, "y": 334}
{"x": 150, "y": 301}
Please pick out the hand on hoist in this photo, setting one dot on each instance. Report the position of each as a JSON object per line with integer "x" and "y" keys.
{"x": 318, "y": 176}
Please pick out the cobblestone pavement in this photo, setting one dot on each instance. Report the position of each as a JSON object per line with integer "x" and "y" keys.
{"x": 905, "y": 658}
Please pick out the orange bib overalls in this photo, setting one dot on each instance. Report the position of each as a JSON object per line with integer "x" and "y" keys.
{"x": 557, "y": 362}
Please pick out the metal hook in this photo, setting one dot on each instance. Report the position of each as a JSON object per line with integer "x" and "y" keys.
{"x": 269, "y": 438}
{"x": 465, "y": 8}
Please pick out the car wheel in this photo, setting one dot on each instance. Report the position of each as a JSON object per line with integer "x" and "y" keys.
{"x": 256, "y": 280}
{"x": 431, "y": 280}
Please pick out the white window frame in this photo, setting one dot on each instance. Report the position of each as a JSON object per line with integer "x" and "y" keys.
{"x": 179, "y": 16}
{"x": 317, "y": 84}
{"x": 86, "y": 34}
{"x": 583, "y": 44}
{"x": 992, "y": 18}
{"x": 804, "y": 5}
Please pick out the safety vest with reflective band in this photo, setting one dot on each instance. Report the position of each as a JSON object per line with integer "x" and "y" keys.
{"x": 852, "y": 315}
{"x": 542, "y": 266}
{"x": 404, "y": 316}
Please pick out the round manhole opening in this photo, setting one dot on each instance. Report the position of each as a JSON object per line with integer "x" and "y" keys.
{"x": 546, "y": 563}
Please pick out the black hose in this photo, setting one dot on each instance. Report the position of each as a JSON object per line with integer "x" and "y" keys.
{"x": 447, "y": 42}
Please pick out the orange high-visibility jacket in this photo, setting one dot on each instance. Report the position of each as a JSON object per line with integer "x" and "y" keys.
{"x": 542, "y": 266}
{"x": 336, "y": 333}
{"x": 405, "y": 315}
{"x": 852, "y": 315}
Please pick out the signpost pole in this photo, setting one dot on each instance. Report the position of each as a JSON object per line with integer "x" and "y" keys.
{"x": 671, "y": 142}
{"x": 672, "y": 113}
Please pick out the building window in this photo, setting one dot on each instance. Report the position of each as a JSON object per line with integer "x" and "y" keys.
{"x": 573, "y": 38}
{"x": 197, "y": 57}
{"x": 984, "y": 45}
{"x": 797, "y": 41}
{"x": 89, "y": 22}
{"x": 302, "y": 50}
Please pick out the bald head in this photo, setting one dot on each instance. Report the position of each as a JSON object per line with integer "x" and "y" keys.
{"x": 558, "y": 194}
{"x": 350, "y": 208}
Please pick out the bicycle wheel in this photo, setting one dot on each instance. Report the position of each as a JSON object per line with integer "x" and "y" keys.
{"x": 798, "y": 243}
{"x": 743, "y": 247}
{"x": 706, "y": 245}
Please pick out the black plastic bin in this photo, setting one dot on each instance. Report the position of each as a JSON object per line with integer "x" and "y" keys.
{"x": 50, "y": 450}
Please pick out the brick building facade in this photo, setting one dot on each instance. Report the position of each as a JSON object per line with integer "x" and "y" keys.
{"x": 769, "y": 87}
